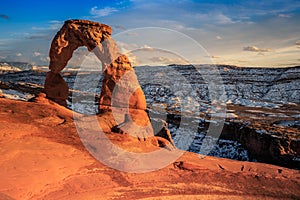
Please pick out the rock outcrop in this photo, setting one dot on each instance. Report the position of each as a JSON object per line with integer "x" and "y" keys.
{"x": 73, "y": 34}
{"x": 120, "y": 86}
{"x": 270, "y": 144}
{"x": 42, "y": 157}
{"x": 56, "y": 88}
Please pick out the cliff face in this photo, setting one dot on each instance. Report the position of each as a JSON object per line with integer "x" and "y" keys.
{"x": 274, "y": 85}
{"x": 244, "y": 86}
{"x": 262, "y": 110}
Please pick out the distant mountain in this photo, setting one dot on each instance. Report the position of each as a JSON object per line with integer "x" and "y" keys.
{"x": 14, "y": 66}
{"x": 243, "y": 85}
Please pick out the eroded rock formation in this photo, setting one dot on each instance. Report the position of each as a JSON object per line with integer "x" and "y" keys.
{"x": 120, "y": 86}
{"x": 73, "y": 34}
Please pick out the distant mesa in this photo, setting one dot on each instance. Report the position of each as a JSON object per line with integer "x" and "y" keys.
{"x": 9, "y": 67}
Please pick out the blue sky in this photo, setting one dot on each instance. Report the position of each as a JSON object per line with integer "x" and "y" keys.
{"x": 244, "y": 33}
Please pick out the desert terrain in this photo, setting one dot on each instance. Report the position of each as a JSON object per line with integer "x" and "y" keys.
{"x": 42, "y": 157}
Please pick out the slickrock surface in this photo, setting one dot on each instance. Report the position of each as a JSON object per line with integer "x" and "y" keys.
{"x": 42, "y": 157}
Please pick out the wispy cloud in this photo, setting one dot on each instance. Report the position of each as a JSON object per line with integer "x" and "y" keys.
{"x": 167, "y": 60}
{"x": 119, "y": 27}
{"x": 102, "y": 12}
{"x": 256, "y": 49}
{"x": 52, "y": 25}
{"x": 213, "y": 17}
{"x": 36, "y": 53}
{"x": 4, "y": 16}
{"x": 39, "y": 36}
{"x": 223, "y": 19}
{"x": 215, "y": 57}
{"x": 284, "y": 15}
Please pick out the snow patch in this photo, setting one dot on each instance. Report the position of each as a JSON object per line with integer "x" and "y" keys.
{"x": 16, "y": 95}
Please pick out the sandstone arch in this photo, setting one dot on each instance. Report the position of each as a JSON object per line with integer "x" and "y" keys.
{"x": 97, "y": 38}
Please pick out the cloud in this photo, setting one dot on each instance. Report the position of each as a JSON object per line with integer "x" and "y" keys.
{"x": 55, "y": 24}
{"x": 223, "y": 19}
{"x": 297, "y": 43}
{"x": 39, "y": 36}
{"x": 147, "y": 48}
{"x": 219, "y": 37}
{"x": 102, "y": 12}
{"x": 45, "y": 59}
{"x": 133, "y": 58}
{"x": 4, "y": 16}
{"x": 284, "y": 15}
{"x": 132, "y": 34}
{"x": 166, "y": 60}
{"x": 19, "y": 54}
{"x": 36, "y": 54}
{"x": 256, "y": 49}
{"x": 214, "y": 17}
{"x": 52, "y": 25}
{"x": 119, "y": 27}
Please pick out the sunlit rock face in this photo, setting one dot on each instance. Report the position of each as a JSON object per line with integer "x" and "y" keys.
{"x": 120, "y": 87}
{"x": 73, "y": 34}
{"x": 96, "y": 37}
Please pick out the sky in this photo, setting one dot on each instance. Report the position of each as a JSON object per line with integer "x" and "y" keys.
{"x": 256, "y": 33}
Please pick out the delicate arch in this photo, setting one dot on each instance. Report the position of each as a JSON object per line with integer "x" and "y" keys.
{"x": 73, "y": 34}
{"x": 115, "y": 89}
{"x": 97, "y": 38}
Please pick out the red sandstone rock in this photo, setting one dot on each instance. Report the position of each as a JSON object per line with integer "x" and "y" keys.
{"x": 56, "y": 88}
{"x": 42, "y": 157}
{"x": 73, "y": 34}
{"x": 96, "y": 37}
{"x": 120, "y": 86}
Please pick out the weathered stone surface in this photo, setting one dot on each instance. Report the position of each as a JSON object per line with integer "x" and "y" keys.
{"x": 96, "y": 37}
{"x": 161, "y": 130}
{"x": 73, "y": 34}
{"x": 42, "y": 161}
{"x": 120, "y": 86}
{"x": 56, "y": 88}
